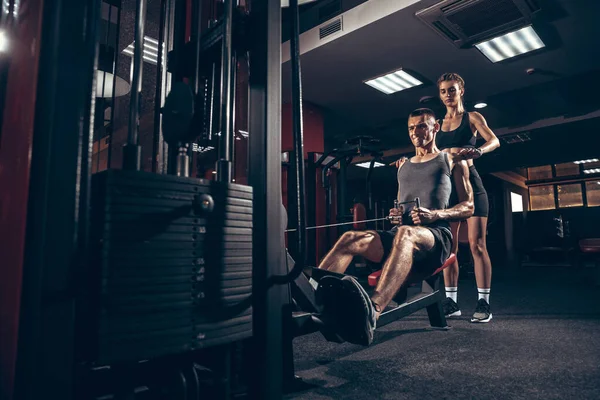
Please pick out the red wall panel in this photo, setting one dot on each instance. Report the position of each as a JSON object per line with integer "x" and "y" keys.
{"x": 312, "y": 127}
{"x": 313, "y": 130}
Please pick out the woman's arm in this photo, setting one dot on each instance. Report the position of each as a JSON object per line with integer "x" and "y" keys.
{"x": 479, "y": 123}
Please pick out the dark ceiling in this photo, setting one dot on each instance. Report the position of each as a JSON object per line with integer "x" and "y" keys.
{"x": 566, "y": 84}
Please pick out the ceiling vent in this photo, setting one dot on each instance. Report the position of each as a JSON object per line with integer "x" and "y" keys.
{"x": 330, "y": 28}
{"x": 466, "y": 22}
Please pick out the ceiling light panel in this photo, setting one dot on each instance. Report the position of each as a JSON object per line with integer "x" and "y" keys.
{"x": 511, "y": 44}
{"x": 394, "y": 82}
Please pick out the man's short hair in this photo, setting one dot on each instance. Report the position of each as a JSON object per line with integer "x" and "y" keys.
{"x": 422, "y": 111}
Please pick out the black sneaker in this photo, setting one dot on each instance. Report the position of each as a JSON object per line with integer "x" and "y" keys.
{"x": 347, "y": 306}
{"x": 482, "y": 312}
{"x": 450, "y": 308}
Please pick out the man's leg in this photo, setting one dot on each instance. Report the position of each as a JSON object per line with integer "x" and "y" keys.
{"x": 353, "y": 243}
{"x": 411, "y": 243}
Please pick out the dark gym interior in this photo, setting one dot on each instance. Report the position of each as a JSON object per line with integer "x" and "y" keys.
{"x": 173, "y": 172}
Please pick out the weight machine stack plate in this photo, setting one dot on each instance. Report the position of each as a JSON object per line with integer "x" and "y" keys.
{"x": 171, "y": 266}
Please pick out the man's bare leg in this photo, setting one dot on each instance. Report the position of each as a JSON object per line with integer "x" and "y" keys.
{"x": 350, "y": 244}
{"x": 410, "y": 244}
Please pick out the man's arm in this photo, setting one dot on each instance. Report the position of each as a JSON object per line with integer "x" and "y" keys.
{"x": 464, "y": 209}
{"x": 396, "y": 215}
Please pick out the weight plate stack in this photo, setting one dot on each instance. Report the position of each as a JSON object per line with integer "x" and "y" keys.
{"x": 171, "y": 266}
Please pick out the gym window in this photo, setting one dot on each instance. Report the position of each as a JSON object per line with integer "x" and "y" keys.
{"x": 538, "y": 173}
{"x": 570, "y": 195}
{"x": 567, "y": 169}
{"x": 541, "y": 197}
{"x": 565, "y": 185}
{"x": 592, "y": 189}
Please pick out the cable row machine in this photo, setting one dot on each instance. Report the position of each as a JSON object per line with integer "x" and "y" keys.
{"x": 153, "y": 285}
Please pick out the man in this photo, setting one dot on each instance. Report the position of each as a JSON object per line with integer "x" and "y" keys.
{"x": 414, "y": 249}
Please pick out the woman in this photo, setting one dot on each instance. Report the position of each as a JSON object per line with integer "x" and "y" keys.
{"x": 458, "y": 133}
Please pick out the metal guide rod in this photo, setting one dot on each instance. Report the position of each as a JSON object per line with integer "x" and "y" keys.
{"x": 158, "y": 140}
{"x": 298, "y": 135}
{"x": 132, "y": 154}
{"x": 197, "y": 31}
{"x": 224, "y": 163}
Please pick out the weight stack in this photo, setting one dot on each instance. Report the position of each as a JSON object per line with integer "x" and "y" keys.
{"x": 171, "y": 266}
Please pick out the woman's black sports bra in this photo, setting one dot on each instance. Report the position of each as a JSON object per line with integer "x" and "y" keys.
{"x": 460, "y": 137}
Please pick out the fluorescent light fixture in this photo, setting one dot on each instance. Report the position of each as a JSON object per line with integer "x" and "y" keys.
{"x": 394, "y": 82}
{"x": 480, "y": 105}
{"x": 585, "y": 161}
{"x": 511, "y": 44}
{"x": 150, "y": 53}
{"x": 366, "y": 164}
{"x": 591, "y": 171}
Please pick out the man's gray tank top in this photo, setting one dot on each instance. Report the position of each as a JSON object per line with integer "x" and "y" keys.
{"x": 430, "y": 181}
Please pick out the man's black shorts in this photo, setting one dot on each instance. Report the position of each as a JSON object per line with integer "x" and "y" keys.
{"x": 436, "y": 257}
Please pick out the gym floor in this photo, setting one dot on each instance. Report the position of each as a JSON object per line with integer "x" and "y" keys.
{"x": 544, "y": 342}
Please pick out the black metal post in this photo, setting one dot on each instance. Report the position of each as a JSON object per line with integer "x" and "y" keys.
{"x": 232, "y": 115}
{"x": 196, "y": 35}
{"x": 298, "y": 132}
{"x": 131, "y": 151}
{"x": 223, "y": 166}
{"x": 265, "y": 179}
{"x": 178, "y": 45}
{"x": 292, "y": 207}
{"x": 310, "y": 195}
{"x": 58, "y": 206}
{"x": 114, "y": 87}
{"x": 169, "y": 40}
{"x": 369, "y": 189}
{"x": 211, "y": 107}
{"x": 157, "y": 142}
{"x": 328, "y": 196}
{"x": 342, "y": 190}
